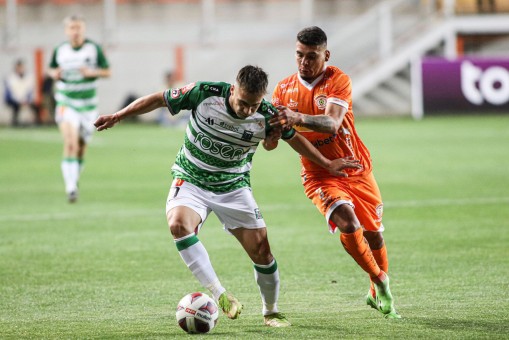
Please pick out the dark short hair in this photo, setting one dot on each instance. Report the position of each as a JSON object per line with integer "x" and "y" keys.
{"x": 312, "y": 36}
{"x": 253, "y": 79}
{"x": 73, "y": 18}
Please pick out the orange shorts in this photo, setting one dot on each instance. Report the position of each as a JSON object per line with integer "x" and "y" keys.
{"x": 361, "y": 193}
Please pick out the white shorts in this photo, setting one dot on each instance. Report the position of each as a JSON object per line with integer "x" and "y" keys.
{"x": 236, "y": 209}
{"x": 82, "y": 121}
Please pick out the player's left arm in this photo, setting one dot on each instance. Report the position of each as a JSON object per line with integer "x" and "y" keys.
{"x": 139, "y": 106}
{"x": 329, "y": 122}
{"x": 103, "y": 68}
{"x": 95, "y": 72}
{"x": 306, "y": 149}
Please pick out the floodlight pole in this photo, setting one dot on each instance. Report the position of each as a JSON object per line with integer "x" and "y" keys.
{"x": 11, "y": 23}
{"x": 110, "y": 21}
{"x": 306, "y": 12}
{"x": 208, "y": 20}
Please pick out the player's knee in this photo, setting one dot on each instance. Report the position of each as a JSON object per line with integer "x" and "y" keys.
{"x": 178, "y": 228}
{"x": 70, "y": 149}
{"x": 263, "y": 255}
{"x": 375, "y": 239}
{"x": 345, "y": 219}
{"x": 349, "y": 228}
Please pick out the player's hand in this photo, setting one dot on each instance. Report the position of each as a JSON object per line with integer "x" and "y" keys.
{"x": 88, "y": 72}
{"x": 56, "y": 73}
{"x": 337, "y": 165}
{"x": 106, "y": 122}
{"x": 285, "y": 118}
{"x": 271, "y": 140}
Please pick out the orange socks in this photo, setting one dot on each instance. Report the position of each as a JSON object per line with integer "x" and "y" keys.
{"x": 356, "y": 245}
{"x": 380, "y": 256}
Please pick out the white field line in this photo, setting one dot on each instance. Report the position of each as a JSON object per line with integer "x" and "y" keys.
{"x": 273, "y": 207}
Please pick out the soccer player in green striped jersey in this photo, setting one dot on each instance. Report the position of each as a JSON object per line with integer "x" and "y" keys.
{"x": 211, "y": 174}
{"x": 76, "y": 64}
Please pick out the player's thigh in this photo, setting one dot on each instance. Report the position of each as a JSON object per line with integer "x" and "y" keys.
{"x": 86, "y": 125}
{"x": 344, "y": 218}
{"x": 237, "y": 209}
{"x": 368, "y": 204}
{"x": 182, "y": 221}
{"x": 69, "y": 132}
{"x": 67, "y": 116}
{"x": 332, "y": 198}
{"x": 186, "y": 208}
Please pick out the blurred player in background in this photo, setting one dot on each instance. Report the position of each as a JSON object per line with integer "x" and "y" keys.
{"x": 317, "y": 101}
{"x": 76, "y": 65}
{"x": 212, "y": 173}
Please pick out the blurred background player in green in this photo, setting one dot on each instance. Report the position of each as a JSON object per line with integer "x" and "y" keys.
{"x": 212, "y": 174}
{"x": 75, "y": 65}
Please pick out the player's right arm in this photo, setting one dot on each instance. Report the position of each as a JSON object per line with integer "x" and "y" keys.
{"x": 339, "y": 92}
{"x": 139, "y": 106}
{"x": 329, "y": 122}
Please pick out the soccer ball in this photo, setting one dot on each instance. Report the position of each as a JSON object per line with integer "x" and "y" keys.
{"x": 197, "y": 313}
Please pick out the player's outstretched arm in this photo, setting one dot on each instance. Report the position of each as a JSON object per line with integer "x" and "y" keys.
{"x": 335, "y": 167}
{"x": 326, "y": 123}
{"x": 139, "y": 106}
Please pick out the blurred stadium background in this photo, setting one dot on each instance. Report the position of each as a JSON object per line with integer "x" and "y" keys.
{"x": 383, "y": 45}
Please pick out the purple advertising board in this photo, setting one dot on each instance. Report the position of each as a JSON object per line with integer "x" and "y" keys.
{"x": 465, "y": 85}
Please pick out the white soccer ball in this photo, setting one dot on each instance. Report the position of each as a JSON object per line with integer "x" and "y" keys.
{"x": 197, "y": 313}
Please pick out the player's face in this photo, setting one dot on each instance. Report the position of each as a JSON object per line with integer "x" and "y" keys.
{"x": 75, "y": 31}
{"x": 244, "y": 103}
{"x": 311, "y": 60}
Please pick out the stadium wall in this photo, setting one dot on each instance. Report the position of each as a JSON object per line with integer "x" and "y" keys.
{"x": 141, "y": 41}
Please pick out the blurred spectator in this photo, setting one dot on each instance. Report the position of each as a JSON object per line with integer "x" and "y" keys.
{"x": 19, "y": 92}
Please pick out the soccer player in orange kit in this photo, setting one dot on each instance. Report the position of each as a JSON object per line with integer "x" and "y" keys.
{"x": 317, "y": 101}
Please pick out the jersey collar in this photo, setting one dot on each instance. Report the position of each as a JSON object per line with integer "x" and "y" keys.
{"x": 310, "y": 86}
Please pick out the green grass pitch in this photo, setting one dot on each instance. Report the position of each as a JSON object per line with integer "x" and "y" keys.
{"x": 107, "y": 268}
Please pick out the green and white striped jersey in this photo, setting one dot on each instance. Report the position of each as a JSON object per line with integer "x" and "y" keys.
{"x": 73, "y": 90}
{"x": 218, "y": 146}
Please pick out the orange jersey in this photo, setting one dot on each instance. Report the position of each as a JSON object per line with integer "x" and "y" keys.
{"x": 335, "y": 87}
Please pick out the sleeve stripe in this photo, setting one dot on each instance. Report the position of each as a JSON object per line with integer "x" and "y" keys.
{"x": 165, "y": 96}
{"x": 338, "y": 101}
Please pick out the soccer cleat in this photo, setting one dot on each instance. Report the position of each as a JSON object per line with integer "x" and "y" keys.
{"x": 383, "y": 300}
{"x": 72, "y": 197}
{"x": 371, "y": 301}
{"x": 230, "y": 305}
{"x": 276, "y": 320}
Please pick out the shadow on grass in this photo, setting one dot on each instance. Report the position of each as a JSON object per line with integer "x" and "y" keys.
{"x": 485, "y": 327}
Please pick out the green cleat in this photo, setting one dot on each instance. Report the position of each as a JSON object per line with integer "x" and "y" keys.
{"x": 276, "y": 320}
{"x": 230, "y": 305}
{"x": 383, "y": 300}
{"x": 370, "y": 301}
